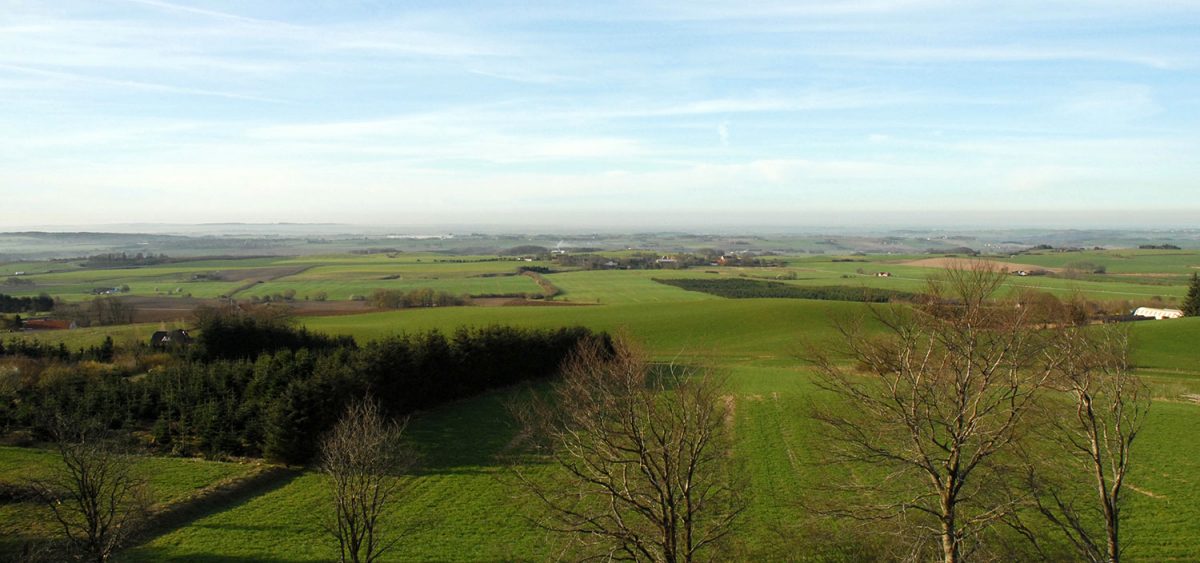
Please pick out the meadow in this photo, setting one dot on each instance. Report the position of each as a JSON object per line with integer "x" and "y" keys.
{"x": 459, "y": 506}
{"x": 170, "y": 480}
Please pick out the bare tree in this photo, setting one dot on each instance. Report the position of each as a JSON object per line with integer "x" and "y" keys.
{"x": 1096, "y": 425}
{"x": 95, "y": 496}
{"x": 640, "y": 455}
{"x": 363, "y": 457}
{"x": 943, "y": 391}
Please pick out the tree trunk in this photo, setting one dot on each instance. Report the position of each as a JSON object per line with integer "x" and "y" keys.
{"x": 949, "y": 531}
{"x": 1114, "y": 549}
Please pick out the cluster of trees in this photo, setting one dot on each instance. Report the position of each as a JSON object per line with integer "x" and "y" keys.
{"x": 37, "y": 350}
{"x": 287, "y": 295}
{"x": 252, "y": 388}
{"x": 123, "y": 259}
{"x": 10, "y": 304}
{"x": 101, "y": 311}
{"x": 1084, "y": 268}
{"x": 232, "y": 335}
{"x": 742, "y": 288}
{"x": 17, "y": 282}
{"x": 422, "y": 297}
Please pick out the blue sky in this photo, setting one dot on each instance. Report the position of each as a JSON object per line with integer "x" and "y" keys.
{"x": 592, "y": 114}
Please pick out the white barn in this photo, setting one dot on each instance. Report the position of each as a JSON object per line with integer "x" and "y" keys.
{"x": 1157, "y": 314}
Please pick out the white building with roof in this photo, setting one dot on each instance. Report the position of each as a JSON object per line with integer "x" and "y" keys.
{"x": 1157, "y": 314}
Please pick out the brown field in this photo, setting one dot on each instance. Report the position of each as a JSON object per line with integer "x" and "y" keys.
{"x": 945, "y": 262}
{"x": 167, "y": 309}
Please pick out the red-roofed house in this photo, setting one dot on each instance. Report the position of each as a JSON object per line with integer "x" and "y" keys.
{"x": 48, "y": 324}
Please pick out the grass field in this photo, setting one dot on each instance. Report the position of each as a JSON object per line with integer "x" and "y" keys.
{"x": 459, "y": 506}
{"x": 91, "y": 336}
{"x": 169, "y": 480}
{"x": 346, "y": 289}
{"x": 622, "y": 287}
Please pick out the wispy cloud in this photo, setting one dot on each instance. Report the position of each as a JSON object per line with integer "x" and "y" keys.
{"x": 1006, "y": 53}
{"x": 134, "y": 84}
{"x": 490, "y": 110}
{"x": 192, "y": 10}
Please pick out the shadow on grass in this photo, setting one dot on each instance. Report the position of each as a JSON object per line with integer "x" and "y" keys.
{"x": 166, "y": 555}
{"x": 466, "y": 437}
{"x": 246, "y": 527}
{"x": 224, "y": 499}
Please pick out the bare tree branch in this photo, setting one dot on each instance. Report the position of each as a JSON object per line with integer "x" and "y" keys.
{"x": 641, "y": 455}
{"x": 362, "y": 458}
{"x": 1095, "y": 424}
{"x": 937, "y": 399}
{"x": 94, "y": 495}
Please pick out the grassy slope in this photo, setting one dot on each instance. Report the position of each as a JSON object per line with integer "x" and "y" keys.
{"x": 456, "y": 508}
{"x": 1168, "y": 345}
{"x": 170, "y": 479}
{"x": 473, "y": 516}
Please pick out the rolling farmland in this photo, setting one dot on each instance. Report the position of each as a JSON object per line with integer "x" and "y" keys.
{"x": 460, "y": 507}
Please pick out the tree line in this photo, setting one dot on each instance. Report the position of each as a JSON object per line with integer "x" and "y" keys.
{"x": 253, "y": 388}
{"x": 11, "y": 304}
{"x": 422, "y": 297}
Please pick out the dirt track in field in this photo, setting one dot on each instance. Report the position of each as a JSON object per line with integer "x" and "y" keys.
{"x": 260, "y": 273}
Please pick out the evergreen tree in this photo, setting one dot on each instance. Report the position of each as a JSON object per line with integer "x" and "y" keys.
{"x": 1191, "y": 305}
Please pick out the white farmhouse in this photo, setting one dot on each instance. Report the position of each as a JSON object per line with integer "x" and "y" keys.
{"x": 1157, "y": 314}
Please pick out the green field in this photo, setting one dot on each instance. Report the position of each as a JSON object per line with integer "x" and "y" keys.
{"x": 342, "y": 290}
{"x": 169, "y": 479}
{"x": 459, "y": 506}
{"x": 92, "y": 336}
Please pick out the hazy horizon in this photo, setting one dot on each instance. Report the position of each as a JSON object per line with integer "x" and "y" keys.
{"x": 849, "y": 223}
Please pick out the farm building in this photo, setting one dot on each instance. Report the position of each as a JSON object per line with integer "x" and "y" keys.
{"x": 1157, "y": 314}
{"x": 48, "y": 324}
{"x": 167, "y": 339}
